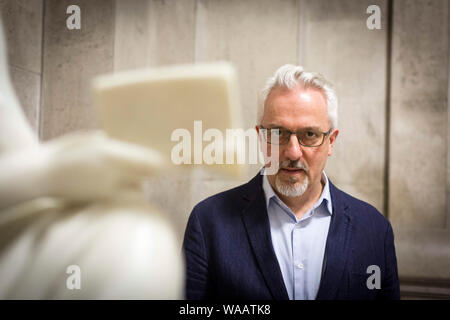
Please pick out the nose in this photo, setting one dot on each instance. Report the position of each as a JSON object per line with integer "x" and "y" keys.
{"x": 293, "y": 149}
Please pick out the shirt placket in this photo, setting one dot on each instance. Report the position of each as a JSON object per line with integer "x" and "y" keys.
{"x": 297, "y": 259}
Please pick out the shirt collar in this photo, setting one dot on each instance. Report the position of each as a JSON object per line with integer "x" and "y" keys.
{"x": 269, "y": 193}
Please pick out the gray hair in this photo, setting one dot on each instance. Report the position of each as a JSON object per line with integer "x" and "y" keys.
{"x": 289, "y": 76}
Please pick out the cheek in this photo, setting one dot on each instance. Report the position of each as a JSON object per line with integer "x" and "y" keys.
{"x": 276, "y": 151}
{"x": 316, "y": 160}
{"x": 270, "y": 153}
{"x": 269, "y": 149}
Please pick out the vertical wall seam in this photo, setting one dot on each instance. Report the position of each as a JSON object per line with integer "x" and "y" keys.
{"x": 447, "y": 202}
{"x": 389, "y": 31}
{"x": 41, "y": 87}
{"x": 301, "y": 24}
{"x": 196, "y": 26}
{"x": 297, "y": 54}
{"x": 152, "y": 30}
{"x": 194, "y": 38}
{"x": 114, "y": 29}
{"x": 193, "y": 173}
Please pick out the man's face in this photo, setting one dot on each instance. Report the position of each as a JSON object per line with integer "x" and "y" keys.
{"x": 300, "y": 167}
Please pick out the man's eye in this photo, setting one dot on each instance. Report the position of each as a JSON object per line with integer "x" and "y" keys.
{"x": 310, "y": 135}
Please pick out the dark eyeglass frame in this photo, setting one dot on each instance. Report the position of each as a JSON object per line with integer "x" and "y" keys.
{"x": 324, "y": 134}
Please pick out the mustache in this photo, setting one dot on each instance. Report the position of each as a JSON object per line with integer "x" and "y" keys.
{"x": 297, "y": 164}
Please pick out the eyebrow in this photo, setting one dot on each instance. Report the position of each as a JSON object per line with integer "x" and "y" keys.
{"x": 276, "y": 126}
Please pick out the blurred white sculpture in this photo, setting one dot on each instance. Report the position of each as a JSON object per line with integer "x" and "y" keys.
{"x": 75, "y": 207}
{"x": 154, "y": 107}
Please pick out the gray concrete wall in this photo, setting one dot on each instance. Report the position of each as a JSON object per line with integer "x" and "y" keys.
{"x": 22, "y": 21}
{"x": 393, "y": 149}
{"x": 419, "y": 141}
{"x": 71, "y": 59}
{"x": 335, "y": 41}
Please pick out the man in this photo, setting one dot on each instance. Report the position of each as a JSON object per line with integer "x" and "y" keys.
{"x": 292, "y": 234}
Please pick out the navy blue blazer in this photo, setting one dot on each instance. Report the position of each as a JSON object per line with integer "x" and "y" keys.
{"x": 229, "y": 252}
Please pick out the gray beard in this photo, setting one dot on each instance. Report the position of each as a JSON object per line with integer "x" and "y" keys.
{"x": 293, "y": 188}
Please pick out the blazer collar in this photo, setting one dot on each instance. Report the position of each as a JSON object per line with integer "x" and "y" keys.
{"x": 256, "y": 223}
{"x": 337, "y": 248}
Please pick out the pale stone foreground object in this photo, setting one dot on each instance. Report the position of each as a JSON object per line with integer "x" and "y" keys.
{"x": 149, "y": 106}
{"x": 124, "y": 249}
{"x": 76, "y": 205}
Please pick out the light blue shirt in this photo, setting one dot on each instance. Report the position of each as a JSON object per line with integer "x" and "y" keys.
{"x": 299, "y": 244}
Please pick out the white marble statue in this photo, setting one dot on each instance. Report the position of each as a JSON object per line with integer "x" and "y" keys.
{"x": 74, "y": 223}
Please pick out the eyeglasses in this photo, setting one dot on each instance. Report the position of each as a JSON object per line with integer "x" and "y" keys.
{"x": 307, "y": 137}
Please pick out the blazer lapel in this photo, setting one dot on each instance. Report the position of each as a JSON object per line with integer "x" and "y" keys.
{"x": 337, "y": 247}
{"x": 256, "y": 222}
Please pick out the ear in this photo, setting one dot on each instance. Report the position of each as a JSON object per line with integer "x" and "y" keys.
{"x": 333, "y": 137}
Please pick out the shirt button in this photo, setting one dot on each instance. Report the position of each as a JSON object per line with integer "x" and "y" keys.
{"x": 300, "y": 266}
